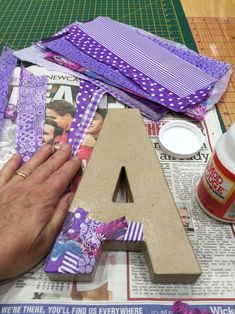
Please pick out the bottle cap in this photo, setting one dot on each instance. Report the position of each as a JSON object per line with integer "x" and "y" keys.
{"x": 180, "y": 139}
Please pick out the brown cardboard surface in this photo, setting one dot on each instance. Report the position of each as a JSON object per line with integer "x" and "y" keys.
{"x": 124, "y": 142}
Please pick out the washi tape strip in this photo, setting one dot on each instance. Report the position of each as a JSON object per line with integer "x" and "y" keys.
{"x": 7, "y": 66}
{"x": 31, "y": 113}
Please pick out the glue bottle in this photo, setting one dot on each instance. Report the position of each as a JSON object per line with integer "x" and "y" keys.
{"x": 216, "y": 188}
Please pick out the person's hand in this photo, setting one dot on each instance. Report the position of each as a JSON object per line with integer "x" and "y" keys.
{"x": 33, "y": 208}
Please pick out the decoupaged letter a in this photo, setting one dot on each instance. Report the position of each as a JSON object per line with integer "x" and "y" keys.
{"x": 124, "y": 144}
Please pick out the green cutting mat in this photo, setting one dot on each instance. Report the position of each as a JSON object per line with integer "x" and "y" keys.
{"x": 23, "y": 22}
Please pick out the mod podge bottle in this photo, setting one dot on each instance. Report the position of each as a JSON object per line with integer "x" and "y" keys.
{"x": 216, "y": 188}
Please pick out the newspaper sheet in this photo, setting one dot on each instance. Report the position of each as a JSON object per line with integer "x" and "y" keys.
{"x": 122, "y": 283}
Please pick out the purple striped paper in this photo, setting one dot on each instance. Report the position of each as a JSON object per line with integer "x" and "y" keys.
{"x": 212, "y": 67}
{"x": 160, "y": 93}
{"x": 68, "y": 50}
{"x": 69, "y": 264}
{"x": 135, "y": 232}
{"x": 147, "y": 57}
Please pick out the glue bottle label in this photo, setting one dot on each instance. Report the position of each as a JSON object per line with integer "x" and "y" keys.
{"x": 216, "y": 191}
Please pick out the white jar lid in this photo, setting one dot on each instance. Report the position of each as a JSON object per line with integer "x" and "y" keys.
{"x": 180, "y": 139}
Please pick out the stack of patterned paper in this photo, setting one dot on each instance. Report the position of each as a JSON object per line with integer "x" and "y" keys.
{"x": 157, "y": 72}
{"x": 139, "y": 69}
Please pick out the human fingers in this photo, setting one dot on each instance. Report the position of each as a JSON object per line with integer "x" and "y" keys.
{"x": 45, "y": 170}
{"x": 59, "y": 215}
{"x": 9, "y": 169}
{"x": 36, "y": 160}
{"x": 57, "y": 183}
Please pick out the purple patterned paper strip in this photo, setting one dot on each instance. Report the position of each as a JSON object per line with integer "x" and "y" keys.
{"x": 144, "y": 55}
{"x": 7, "y": 66}
{"x": 213, "y": 67}
{"x": 31, "y": 113}
{"x": 148, "y": 58}
{"x": 177, "y": 98}
{"x": 68, "y": 50}
{"x": 134, "y": 232}
{"x": 78, "y": 134}
{"x": 86, "y": 89}
{"x": 149, "y": 108}
{"x": 33, "y": 54}
{"x": 79, "y": 243}
{"x": 114, "y": 230}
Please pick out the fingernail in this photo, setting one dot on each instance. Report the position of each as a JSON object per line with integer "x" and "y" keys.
{"x": 46, "y": 147}
{"x": 65, "y": 147}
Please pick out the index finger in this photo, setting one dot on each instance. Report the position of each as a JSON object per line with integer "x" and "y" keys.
{"x": 58, "y": 182}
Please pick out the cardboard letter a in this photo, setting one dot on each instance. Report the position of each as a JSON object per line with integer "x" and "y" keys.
{"x": 124, "y": 144}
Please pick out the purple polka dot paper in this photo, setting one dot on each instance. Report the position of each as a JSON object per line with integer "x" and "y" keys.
{"x": 93, "y": 38}
{"x": 142, "y": 54}
{"x": 7, "y": 66}
{"x": 68, "y": 50}
{"x": 65, "y": 48}
{"x": 160, "y": 93}
{"x": 31, "y": 113}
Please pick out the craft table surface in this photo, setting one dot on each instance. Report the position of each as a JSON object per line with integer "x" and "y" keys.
{"x": 212, "y": 24}
{"x": 26, "y": 21}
